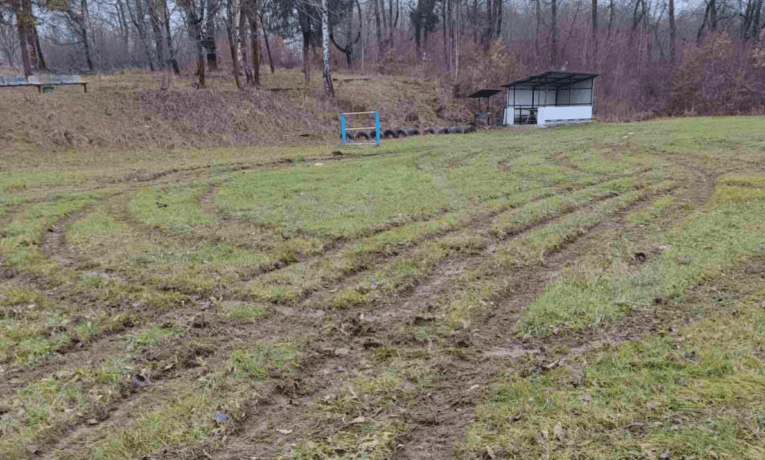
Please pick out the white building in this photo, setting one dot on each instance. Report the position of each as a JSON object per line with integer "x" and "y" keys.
{"x": 550, "y": 98}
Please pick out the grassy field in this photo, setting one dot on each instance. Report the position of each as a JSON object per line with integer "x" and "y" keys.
{"x": 572, "y": 293}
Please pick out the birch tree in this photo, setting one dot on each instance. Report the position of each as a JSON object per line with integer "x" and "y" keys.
{"x": 329, "y": 89}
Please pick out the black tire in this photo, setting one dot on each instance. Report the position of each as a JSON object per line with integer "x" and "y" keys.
{"x": 412, "y": 132}
{"x": 430, "y": 131}
{"x": 454, "y": 130}
{"x": 401, "y": 132}
{"x": 361, "y": 135}
{"x": 443, "y": 131}
{"x": 372, "y": 134}
{"x": 348, "y": 136}
{"x": 389, "y": 134}
{"x": 470, "y": 129}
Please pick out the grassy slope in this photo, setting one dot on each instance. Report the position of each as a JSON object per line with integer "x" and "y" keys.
{"x": 127, "y": 111}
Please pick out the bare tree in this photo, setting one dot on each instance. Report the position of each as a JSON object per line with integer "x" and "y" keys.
{"x": 672, "y": 31}
{"x": 378, "y": 29}
{"x": 137, "y": 11}
{"x": 554, "y": 33}
{"x": 156, "y": 26}
{"x": 213, "y": 8}
{"x": 329, "y": 88}
{"x": 265, "y": 39}
{"x": 252, "y": 16}
{"x": 233, "y": 11}
{"x": 170, "y": 50}
{"x": 195, "y": 10}
{"x": 594, "y": 30}
{"x": 347, "y": 49}
{"x": 8, "y": 37}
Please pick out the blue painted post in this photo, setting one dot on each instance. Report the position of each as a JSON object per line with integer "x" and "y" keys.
{"x": 377, "y": 127}
{"x": 342, "y": 126}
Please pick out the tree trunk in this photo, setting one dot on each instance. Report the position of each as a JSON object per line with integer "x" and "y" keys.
{"x": 232, "y": 26}
{"x": 156, "y": 28}
{"x": 268, "y": 48}
{"x": 304, "y": 21}
{"x": 195, "y": 30}
{"x": 23, "y": 18}
{"x": 40, "y": 59}
{"x": 209, "y": 36}
{"x": 243, "y": 46}
{"x": 594, "y": 30}
{"x": 447, "y": 5}
{"x": 672, "y": 31}
{"x": 489, "y": 25}
{"x": 756, "y": 21}
{"x": 329, "y": 88}
{"x": 170, "y": 52}
{"x": 610, "y": 16}
{"x": 418, "y": 28}
{"x": 554, "y": 34}
{"x": 84, "y": 25}
{"x": 253, "y": 16}
{"x": 499, "y": 13}
{"x": 475, "y": 21}
{"x": 378, "y": 29}
{"x": 23, "y": 51}
{"x": 539, "y": 22}
{"x": 713, "y": 14}
{"x": 700, "y": 33}
{"x": 200, "y": 60}
{"x": 457, "y": 43}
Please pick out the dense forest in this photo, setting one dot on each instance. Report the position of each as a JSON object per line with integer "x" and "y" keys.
{"x": 654, "y": 56}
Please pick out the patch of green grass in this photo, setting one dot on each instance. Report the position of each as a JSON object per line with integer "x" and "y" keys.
{"x": 42, "y": 410}
{"x": 186, "y": 416}
{"x": 347, "y": 297}
{"x": 256, "y": 362}
{"x": 150, "y": 337}
{"x": 536, "y": 245}
{"x": 157, "y": 261}
{"x": 21, "y": 295}
{"x": 700, "y": 247}
{"x": 746, "y": 180}
{"x": 246, "y": 313}
{"x": 173, "y": 208}
{"x": 695, "y": 393}
{"x": 645, "y": 216}
{"x": 24, "y": 233}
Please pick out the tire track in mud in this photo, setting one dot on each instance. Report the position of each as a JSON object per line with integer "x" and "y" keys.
{"x": 436, "y": 441}
{"x": 284, "y": 400}
{"x": 341, "y": 279}
{"x": 320, "y": 356}
{"x": 206, "y": 336}
{"x": 372, "y": 334}
{"x": 456, "y": 261}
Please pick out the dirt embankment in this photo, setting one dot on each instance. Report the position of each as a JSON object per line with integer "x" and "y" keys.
{"x": 129, "y": 112}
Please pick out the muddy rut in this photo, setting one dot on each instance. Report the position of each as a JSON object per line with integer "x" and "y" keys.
{"x": 341, "y": 341}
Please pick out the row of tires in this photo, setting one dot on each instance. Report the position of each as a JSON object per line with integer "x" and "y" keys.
{"x": 405, "y": 132}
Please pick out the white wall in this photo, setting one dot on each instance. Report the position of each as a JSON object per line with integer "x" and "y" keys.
{"x": 509, "y": 115}
{"x": 576, "y": 112}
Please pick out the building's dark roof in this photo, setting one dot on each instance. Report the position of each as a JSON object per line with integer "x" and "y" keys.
{"x": 485, "y": 93}
{"x": 553, "y": 78}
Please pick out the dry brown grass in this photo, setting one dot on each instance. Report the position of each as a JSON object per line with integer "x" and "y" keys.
{"x": 127, "y": 111}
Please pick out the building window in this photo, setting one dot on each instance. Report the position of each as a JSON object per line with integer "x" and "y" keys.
{"x": 525, "y": 117}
